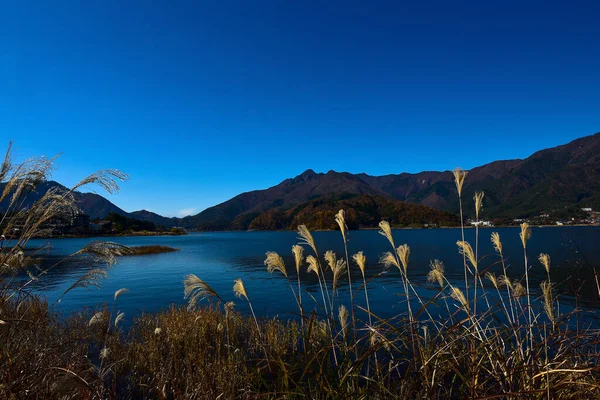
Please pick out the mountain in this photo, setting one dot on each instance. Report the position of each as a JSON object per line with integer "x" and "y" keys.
{"x": 307, "y": 186}
{"x": 549, "y": 179}
{"x": 96, "y": 206}
{"x": 157, "y": 219}
{"x": 93, "y": 204}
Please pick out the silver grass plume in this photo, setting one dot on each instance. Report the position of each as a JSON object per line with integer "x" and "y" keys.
{"x": 25, "y": 176}
{"x": 459, "y": 179}
{"x": 504, "y": 280}
{"x": 340, "y": 218}
{"x": 360, "y": 260}
{"x": 331, "y": 259}
{"x": 196, "y": 290}
{"x": 120, "y": 316}
{"x": 274, "y": 262}
{"x": 239, "y": 289}
{"x": 525, "y": 233}
{"x": 107, "y": 179}
{"x": 478, "y": 203}
{"x": 90, "y": 278}
{"x": 313, "y": 265}
{"x": 104, "y": 251}
{"x": 120, "y": 292}
{"x": 496, "y": 242}
{"x": 403, "y": 252}
{"x": 305, "y": 237}
{"x": 96, "y": 318}
{"x": 518, "y": 289}
{"x": 466, "y": 249}
{"x": 492, "y": 278}
{"x": 437, "y": 272}
{"x": 545, "y": 260}
{"x": 458, "y": 295}
{"x": 338, "y": 269}
{"x": 546, "y": 287}
{"x": 6, "y": 163}
{"x": 388, "y": 260}
{"x": 343, "y": 317}
{"x": 298, "y": 256}
{"x": 386, "y": 231}
{"x": 104, "y": 353}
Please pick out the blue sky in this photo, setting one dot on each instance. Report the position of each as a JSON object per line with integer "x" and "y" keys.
{"x": 199, "y": 101}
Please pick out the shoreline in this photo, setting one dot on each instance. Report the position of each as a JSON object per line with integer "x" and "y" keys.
{"x": 406, "y": 228}
{"x": 166, "y": 233}
{"x": 75, "y": 236}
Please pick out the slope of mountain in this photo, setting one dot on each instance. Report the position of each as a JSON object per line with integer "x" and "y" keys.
{"x": 96, "y": 206}
{"x": 157, "y": 219}
{"x": 90, "y": 203}
{"x": 548, "y": 179}
{"x": 309, "y": 185}
{"x": 362, "y": 211}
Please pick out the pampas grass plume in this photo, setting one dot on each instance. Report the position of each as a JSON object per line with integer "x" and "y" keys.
{"x": 459, "y": 179}
{"x": 274, "y": 262}
{"x": 360, "y": 260}
{"x": 298, "y": 256}
{"x": 239, "y": 289}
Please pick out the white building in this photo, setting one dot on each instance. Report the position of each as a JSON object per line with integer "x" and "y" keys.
{"x": 481, "y": 223}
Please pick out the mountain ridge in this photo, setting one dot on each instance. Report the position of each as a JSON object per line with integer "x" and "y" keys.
{"x": 548, "y": 179}
{"x": 513, "y": 187}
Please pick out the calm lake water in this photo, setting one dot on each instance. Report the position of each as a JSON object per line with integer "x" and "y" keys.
{"x": 155, "y": 281}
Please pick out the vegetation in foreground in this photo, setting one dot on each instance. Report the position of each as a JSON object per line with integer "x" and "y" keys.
{"x": 462, "y": 343}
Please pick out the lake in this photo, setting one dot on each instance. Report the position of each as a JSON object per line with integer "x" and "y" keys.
{"x": 155, "y": 281}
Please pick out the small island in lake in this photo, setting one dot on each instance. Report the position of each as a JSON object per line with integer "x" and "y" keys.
{"x": 151, "y": 249}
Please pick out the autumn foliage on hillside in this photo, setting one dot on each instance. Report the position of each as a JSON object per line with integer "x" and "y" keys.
{"x": 362, "y": 211}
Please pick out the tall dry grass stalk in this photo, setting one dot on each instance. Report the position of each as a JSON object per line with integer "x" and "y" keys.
{"x": 240, "y": 291}
{"x": 459, "y": 180}
{"x": 545, "y": 261}
{"x": 340, "y": 219}
{"x": 478, "y": 199}
{"x": 274, "y": 262}
{"x": 546, "y": 287}
{"x": 298, "y": 252}
{"x": 313, "y": 266}
{"x": 525, "y": 234}
{"x": 497, "y": 244}
{"x": 306, "y": 238}
{"x": 361, "y": 261}
{"x": 196, "y": 290}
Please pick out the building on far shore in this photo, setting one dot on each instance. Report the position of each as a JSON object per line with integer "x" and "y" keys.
{"x": 481, "y": 223}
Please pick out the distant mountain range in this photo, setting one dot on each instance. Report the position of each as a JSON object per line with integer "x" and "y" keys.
{"x": 96, "y": 206}
{"x": 549, "y": 179}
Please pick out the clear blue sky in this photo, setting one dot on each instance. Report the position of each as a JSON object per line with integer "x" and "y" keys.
{"x": 199, "y": 101}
